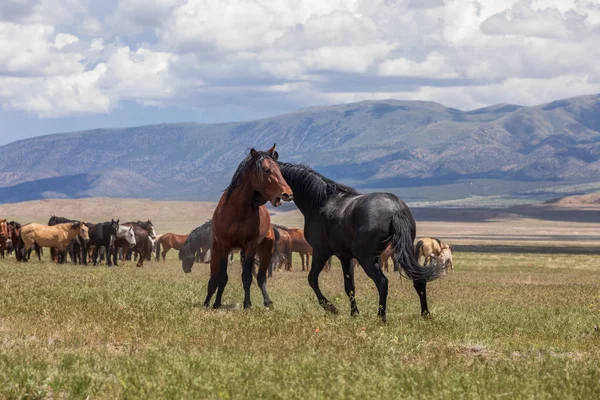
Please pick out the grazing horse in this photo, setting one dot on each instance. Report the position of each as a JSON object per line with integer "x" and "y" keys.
{"x": 340, "y": 221}
{"x": 58, "y": 236}
{"x": 445, "y": 257}
{"x": 428, "y": 247}
{"x": 199, "y": 242}
{"x": 4, "y": 236}
{"x": 241, "y": 220}
{"x": 102, "y": 235}
{"x": 169, "y": 241}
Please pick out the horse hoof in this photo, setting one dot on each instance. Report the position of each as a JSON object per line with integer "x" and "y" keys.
{"x": 330, "y": 308}
{"x": 247, "y": 306}
{"x": 354, "y": 312}
{"x": 268, "y": 305}
{"x": 425, "y": 314}
{"x": 216, "y": 306}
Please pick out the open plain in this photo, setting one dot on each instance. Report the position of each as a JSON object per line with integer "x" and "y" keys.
{"x": 513, "y": 324}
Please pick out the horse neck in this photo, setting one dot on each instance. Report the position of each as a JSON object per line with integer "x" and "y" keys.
{"x": 303, "y": 196}
{"x": 241, "y": 197}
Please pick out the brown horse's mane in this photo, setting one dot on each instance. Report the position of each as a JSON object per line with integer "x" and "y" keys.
{"x": 249, "y": 162}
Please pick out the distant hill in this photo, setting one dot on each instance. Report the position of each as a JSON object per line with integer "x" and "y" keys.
{"x": 581, "y": 200}
{"x": 420, "y": 150}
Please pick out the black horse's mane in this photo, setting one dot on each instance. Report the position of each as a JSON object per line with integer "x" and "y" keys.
{"x": 319, "y": 187}
{"x": 250, "y": 162}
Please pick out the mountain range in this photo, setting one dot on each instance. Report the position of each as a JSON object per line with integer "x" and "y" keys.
{"x": 423, "y": 151}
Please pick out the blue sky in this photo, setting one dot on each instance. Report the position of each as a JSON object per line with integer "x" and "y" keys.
{"x": 69, "y": 65}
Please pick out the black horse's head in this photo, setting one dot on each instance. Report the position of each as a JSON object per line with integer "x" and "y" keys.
{"x": 52, "y": 220}
{"x": 114, "y": 227}
{"x": 187, "y": 260}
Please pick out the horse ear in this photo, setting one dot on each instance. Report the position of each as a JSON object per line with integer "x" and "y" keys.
{"x": 76, "y": 225}
{"x": 254, "y": 153}
{"x": 271, "y": 152}
{"x": 118, "y": 220}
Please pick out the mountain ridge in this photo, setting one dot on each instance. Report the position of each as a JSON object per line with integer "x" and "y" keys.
{"x": 372, "y": 144}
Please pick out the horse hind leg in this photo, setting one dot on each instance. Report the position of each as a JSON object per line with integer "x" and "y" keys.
{"x": 348, "y": 269}
{"x": 221, "y": 282}
{"x": 421, "y": 289}
{"x": 373, "y": 270}
{"x": 318, "y": 263}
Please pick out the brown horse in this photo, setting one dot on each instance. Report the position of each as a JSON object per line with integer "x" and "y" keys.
{"x": 4, "y": 236}
{"x": 241, "y": 220}
{"x": 301, "y": 246}
{"x": 58, "y": 236}
{"x": 385, "y": 256}
{"x": 169, "y": 241}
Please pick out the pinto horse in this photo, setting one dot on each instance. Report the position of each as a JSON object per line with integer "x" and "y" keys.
{"x": 342, "y": 222}
{"x": 241, "y": 220}
{"x": 143, "y": 232}
{"x": 169, "y": 241}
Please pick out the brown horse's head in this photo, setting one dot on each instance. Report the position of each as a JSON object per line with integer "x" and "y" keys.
{"x": 261, "y": 170}
{"x": 3, "y": 229}
{"x": 82, "y": 230}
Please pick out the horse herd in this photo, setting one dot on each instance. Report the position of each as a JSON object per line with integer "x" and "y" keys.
{"x": 359, "y": 229}
{"x": 79, "y": 239}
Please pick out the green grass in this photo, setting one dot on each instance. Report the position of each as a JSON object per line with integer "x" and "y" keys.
{"x": 515, "y": 326}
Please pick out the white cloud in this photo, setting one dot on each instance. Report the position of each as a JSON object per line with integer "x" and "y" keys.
{"x": 58, "y": 58}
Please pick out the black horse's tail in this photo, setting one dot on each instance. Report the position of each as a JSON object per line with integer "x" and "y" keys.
{"x": 157, "y": 250}
{"x": 403, "y": 253}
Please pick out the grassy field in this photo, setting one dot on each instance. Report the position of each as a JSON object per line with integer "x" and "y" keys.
{"x": 514, "y": 326}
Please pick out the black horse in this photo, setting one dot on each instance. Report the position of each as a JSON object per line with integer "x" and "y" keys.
{"x": 102, "y": 235}
{"x": 197, "y": 243}
{"x": 340, "y": 221}
{"x": 76, "y": 246}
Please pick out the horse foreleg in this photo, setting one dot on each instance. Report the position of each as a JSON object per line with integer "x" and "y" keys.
{"x": 373, "y": 270}
{"x": 348, "y": 269}
{"x": 318, "y": 263}
{"x": 265, "y": 254}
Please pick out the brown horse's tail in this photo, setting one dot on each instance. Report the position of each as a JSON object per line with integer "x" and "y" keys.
{"x": 278, "y": 256}
{"x": 403, "y": 233}
{"x": 157, "y": 249}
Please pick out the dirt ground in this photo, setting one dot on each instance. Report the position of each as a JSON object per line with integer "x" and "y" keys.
{"x": 533, "y": 226}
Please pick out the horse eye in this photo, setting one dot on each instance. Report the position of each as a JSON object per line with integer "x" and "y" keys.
{"x": 268, "y": 170}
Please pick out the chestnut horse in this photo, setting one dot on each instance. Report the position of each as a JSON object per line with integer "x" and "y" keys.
{"x": 300, "y": 245}
{"x": 4, "y": 236}
{"x": 169, "y": 241}
{"x": 241, "y": 220}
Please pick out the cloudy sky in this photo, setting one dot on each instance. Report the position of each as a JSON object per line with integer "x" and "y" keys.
{"x": 76, "y": 64}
